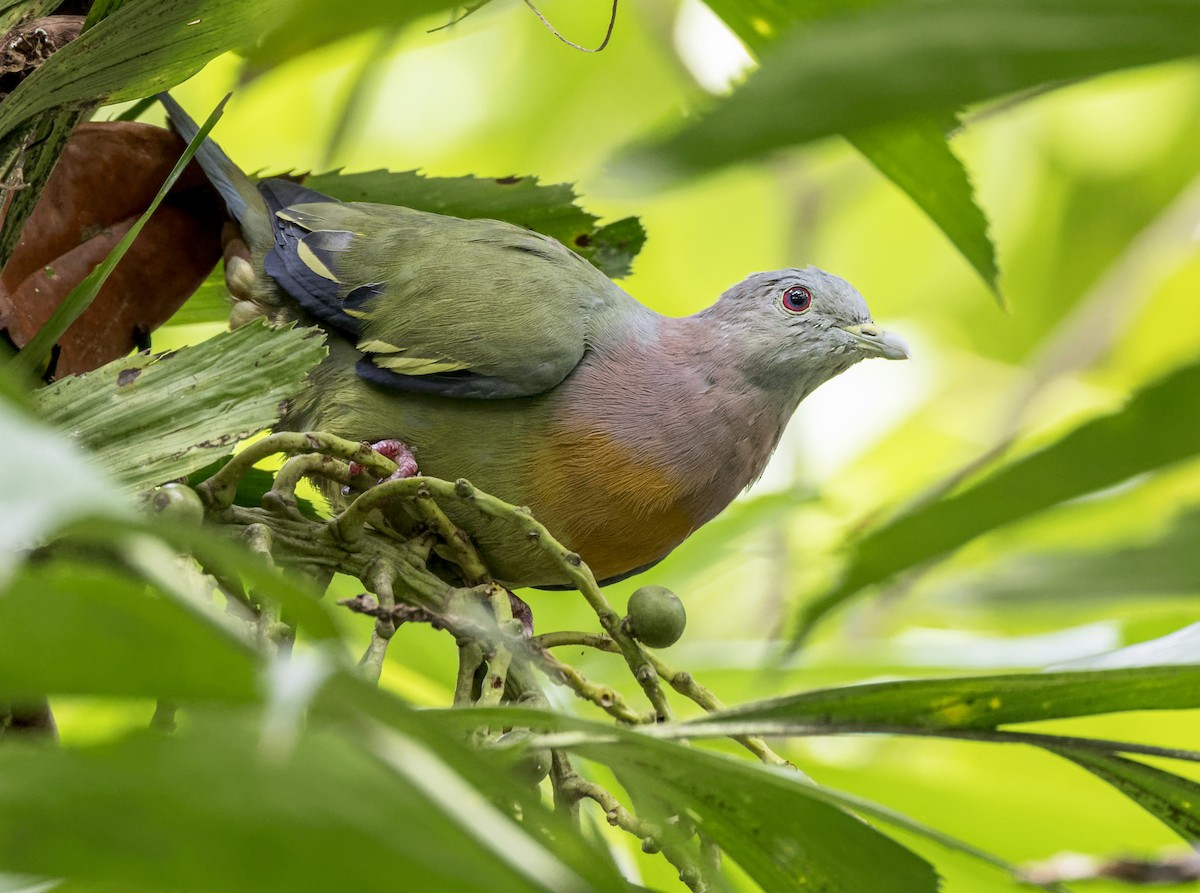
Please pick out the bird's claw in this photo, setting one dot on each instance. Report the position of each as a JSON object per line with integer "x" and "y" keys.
{"x": 399, "y": 452}
{"x": 240, "y": 279}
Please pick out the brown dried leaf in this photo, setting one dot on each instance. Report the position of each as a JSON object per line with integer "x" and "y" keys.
{"x": 31, "y": 43}
{"x": 107, "y": 176}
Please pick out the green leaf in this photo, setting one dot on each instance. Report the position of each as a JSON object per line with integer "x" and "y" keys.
{"x": 12, "y": 391}
{"x": 73, "y": 627}
{"x": 209, "y": 303}
{"x": 782, "y": 830}
{"x": 144, "y": 47}
{"x": 611, "y": 248}
{"x": 579, "y": 733}
{"x": 1167, "y": 565}
{"x": 220, "y": 807}
{"x": 13, "y": 11}
{"x": 548, "y": 209}
{"x": 913, "y": 154}
{"x": 81, "y": 296}
{"x": 759, "y": 22}
{"x": 314, "y": 23}
{"x": 36, "y": 148}
{"x": 767, "y": 820}
{"x": 102, "y": 8}
{"x": 981, "y": 702}
{"x": 916, "y": 157}
{"x": 905, "y": 60}
{"x": 148, "y": 419}
{"x": 45, "y": 482}
{"x": 348, "y": 698}
{"x": 1173, "y": 800}
{"x": 218, "y": 553}
{"x": 1157, "y": 427}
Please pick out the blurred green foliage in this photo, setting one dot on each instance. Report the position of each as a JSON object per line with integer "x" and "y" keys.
{"x": 1078, "y": 497}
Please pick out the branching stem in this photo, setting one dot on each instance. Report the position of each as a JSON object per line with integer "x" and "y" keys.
{"x": 571, "y": 788}
{"x": 497, "y": 659}
{"x": 683, "y": 682}
{"x": 219, "y": 490}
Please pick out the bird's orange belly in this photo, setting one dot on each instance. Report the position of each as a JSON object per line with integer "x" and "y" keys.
{"x": 619, "y": 510}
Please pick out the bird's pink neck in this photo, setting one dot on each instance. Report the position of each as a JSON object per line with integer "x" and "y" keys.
{"x": 671, "y": 434}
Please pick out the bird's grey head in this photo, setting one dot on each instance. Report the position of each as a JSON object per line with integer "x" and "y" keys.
{"x": 797, "y": 328}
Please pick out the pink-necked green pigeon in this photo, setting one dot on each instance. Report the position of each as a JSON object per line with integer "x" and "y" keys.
{"x": 499, "y": 355}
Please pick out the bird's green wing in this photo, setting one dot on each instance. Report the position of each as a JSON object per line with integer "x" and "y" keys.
{"x": 435, "y": 304}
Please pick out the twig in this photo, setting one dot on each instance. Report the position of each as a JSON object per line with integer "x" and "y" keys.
{"x": 371, "y": 663}
{"x": 561, "y": 773}
{"x": 472, "y": 632}
{"x": 282, "y": 495}
{"x": 498, "y": 661}
{"x": 567, "y": 638}
{"x": 581, "y": 576}
{"x": 461, "y": 547}
{"x": 1175, "y": 868}
{"x": 571, "y": 787}
{"x": 269, "y": 628}
{"x": 686, "y": 684}
{"x": 605, "y": 697}
{"x": 470, "y": 660}
{"x": 310, "y": 547}
{"x": 350, "y": 524}
{"x": 612, "y": 22}
{"x": 219, "y": 490}
{"x": 467, "y": 9}
{"x": 682, "y": 682}
{"x": 493, "y": 650}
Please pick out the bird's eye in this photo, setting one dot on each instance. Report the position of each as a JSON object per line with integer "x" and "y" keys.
{"x": 797, "y": 299}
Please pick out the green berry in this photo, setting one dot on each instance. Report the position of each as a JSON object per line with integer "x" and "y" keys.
{"x": 533, "y": 766}
{"x": 177, "y": 502}
{"x": 656, "y": 616}
{"x": 529, "y": 764}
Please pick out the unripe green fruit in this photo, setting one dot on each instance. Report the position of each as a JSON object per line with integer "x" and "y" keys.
{"x": 177, "y": 502}
{"x": 533, "y": 766}
{"x": 656, "y": 616}
{"x": 529, "y": 764}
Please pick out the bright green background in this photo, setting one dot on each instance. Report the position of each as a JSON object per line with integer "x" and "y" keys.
{"x": 1094, "y": 199}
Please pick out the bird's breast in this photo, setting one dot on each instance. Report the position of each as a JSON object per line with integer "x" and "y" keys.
{"x": 616, "y": 506}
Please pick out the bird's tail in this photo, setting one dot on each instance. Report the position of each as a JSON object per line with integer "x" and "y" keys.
{"x": 239, "y": 192}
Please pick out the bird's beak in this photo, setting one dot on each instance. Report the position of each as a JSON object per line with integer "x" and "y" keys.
{"x": 875, "y": 342}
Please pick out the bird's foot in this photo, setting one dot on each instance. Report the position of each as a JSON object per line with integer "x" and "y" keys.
{"x": 399, "y": 452}
{"x": 239, "y": 264}
{"x": 521, "y": 611}
{"x": 239, "y": 277}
